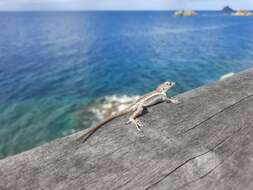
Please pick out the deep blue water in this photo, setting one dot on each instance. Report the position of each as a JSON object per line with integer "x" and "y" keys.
{"x": 54, "y": 65}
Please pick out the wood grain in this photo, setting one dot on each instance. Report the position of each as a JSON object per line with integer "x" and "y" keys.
{"x": 205, "y": 142}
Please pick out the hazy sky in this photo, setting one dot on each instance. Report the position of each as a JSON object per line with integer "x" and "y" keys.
{"x": 122, "y": 4}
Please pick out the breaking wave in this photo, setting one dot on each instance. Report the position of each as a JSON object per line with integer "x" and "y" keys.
{"x": 225, "y": 76}
{"x": 110, "y": 105}
{"x": 103, "y": 108}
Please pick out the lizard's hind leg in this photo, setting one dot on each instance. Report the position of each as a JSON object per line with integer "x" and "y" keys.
{"x": 133, "y": 118}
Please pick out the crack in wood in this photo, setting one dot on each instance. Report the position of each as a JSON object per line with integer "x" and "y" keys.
{"x": 210, "y": 171}
{"x": 217, "y": 113}
{"x": 216, "y": 146}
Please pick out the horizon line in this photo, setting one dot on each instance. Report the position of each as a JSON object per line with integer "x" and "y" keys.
{"x": 109, "y": 10}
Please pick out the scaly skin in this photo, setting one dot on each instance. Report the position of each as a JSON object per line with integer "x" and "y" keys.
{"x": 136, "y": 110}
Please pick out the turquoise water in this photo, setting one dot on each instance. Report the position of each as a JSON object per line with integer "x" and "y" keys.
{"x": 55, "y": 67}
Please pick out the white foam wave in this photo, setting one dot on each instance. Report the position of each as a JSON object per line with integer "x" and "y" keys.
{"x": 97, "y": 112}
{"x": 226, "y": 76}
{"x": 111, "y": 105}
{"x": 121, "y": 99}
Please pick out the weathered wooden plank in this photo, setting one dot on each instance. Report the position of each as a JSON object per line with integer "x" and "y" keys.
{"x": 205, "y": 142}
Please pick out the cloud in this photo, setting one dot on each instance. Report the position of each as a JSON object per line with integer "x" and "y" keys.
{"x": 121, "y": 4}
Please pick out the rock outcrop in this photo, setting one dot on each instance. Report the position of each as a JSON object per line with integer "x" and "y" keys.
{"x": 243, "y": 13}
{"x": 185, "y": 13}
{"x": 227, "y": 10}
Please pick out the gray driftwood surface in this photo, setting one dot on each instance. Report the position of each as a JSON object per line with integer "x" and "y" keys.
{"x": 205, "y": 142}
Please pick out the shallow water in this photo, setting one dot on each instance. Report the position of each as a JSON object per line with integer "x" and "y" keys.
{"x": 56, "y": 68}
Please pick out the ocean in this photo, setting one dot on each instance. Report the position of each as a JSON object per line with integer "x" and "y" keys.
{"x": 61, "y": 72}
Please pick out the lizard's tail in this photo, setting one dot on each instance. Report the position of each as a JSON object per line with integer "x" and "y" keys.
{"x": 85, "y": 137}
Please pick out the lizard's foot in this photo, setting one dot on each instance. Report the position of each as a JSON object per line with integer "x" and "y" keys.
{"x": 174, "y": 101}
{"x": 139, "y": 124}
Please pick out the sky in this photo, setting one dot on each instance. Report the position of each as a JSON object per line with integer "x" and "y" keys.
{"x": 123, "y": 4}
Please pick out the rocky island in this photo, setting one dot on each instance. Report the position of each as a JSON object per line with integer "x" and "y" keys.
{"x": 243, "y": 13}
{"x": 227, "y": 10}
{"x": 185, "y": 13}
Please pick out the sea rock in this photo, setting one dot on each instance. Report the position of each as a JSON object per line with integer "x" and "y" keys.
{"x": 185, "y": 13}
{"x": 243, "y": 13}
{"x": 227, "y": 10}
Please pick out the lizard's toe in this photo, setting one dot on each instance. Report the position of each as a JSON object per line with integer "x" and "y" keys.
{"x": 139, "y": 123}
{"x": 128, "y": 122}
{"x": 138, "y": 128}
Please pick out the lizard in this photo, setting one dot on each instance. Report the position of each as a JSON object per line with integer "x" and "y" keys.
{"x": 136, "y": 110}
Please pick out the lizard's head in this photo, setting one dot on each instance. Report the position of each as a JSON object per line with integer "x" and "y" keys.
{"x": 164, "y": 87}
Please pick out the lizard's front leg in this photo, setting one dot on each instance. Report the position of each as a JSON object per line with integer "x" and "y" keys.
{"x": 170, "y": 100}
{"x": 133, "y": 118}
